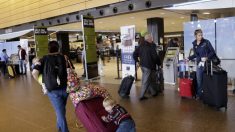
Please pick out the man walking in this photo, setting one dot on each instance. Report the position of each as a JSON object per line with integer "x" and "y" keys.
{"x": 22, "y": 60}
{"x": 148, "y": 58}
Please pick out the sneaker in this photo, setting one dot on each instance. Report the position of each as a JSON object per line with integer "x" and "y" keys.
{"x": 143, "y": 98}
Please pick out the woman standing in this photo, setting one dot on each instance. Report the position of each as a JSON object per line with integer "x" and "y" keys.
{"x": 203, "y": 51}
{"x": 54, "y": 75}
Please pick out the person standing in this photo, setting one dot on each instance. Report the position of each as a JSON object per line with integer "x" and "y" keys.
{"x": 54, "y": 75}
{"x": 148, "y": 58}
{"x": 22, "y": 60}
{"x": 173, "y": 43}
{"x": 4, "y": 59}
{"x": 203, "y": 51}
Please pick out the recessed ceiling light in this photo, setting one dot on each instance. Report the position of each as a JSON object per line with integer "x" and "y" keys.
{"x": 132, "y": 17}
{"x": 206, "y": 13}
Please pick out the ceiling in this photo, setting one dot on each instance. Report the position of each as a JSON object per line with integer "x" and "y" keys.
{"x": 14, "y": 12}
{"x": 173, "y": 20}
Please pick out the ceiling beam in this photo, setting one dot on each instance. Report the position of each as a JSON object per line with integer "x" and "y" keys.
{"x": 128, "y": 6}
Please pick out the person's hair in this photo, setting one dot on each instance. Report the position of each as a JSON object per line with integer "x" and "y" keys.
{"x": 109, "y": 102}
{"x": 35, "y": 60}
{"x": 147, "y": 36}
{"x": 197, "y": 31}
{"x": 19, "y": 46}
{"x": 4, "y": 50}
{"x": 175, "y": 39}
{"x": 53, "y": 46}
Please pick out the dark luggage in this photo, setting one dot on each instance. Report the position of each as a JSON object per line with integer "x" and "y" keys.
{"x": 125, "y": 87}
{"x": 160, "y": 80}
{"x": 89, "y": 112}
{"x": 215, "y": 86}
{"x": 11, "y": 71}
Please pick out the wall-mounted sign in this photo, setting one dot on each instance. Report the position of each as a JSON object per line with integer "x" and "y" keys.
{"x": 41, "y": 41}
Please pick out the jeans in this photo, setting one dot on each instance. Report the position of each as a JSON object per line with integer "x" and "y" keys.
{"x": 22, "y": 66}
{"x": 126, "y": 126}
{"x": 148, "y": 81}
{"x": 199, "y": 81}
{"x": 58, "y": 99}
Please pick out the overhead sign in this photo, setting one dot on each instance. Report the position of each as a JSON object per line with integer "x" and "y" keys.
{"x": 89, "y": 39}
{"x": 128, "y": 47}
{"x": 41, "y": 41}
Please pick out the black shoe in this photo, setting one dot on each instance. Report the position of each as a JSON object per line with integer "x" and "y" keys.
{"x": 154, "y": 95}
{"x": 143, "y": 98}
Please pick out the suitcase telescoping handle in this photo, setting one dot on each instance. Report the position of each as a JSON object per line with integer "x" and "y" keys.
{"x": 211, "y": 68}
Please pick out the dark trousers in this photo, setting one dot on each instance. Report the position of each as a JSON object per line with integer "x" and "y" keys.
{"x": 3, "y": 66}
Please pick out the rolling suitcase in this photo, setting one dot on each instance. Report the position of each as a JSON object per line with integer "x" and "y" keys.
{"x": 160, "y": 80}
{"x": 11, "y": 71}
{"x": 125, "y": 87}
{"x": 187, "y": 82}
{"x": 215, "y": 86}
{"x": 89, "y": 112}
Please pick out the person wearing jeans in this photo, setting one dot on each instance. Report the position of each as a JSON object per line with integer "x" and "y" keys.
{"x": 203, "y": 51}
{"x": 58, "y": 99}
{"x": 53, "y": 68}
{"x": 22, "y": 60}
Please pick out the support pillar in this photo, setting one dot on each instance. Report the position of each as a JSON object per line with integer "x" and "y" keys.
{"x": 63, "y": 40}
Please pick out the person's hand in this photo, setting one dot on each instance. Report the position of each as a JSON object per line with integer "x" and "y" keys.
{"x": 186, "y": 59}
{"x": 104, "y": 118}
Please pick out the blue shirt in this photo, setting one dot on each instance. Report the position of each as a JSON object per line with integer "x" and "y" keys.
{"x": 4, "y": 57}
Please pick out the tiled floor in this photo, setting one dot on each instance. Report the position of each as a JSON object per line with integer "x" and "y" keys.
{"x": 24, "y": 108}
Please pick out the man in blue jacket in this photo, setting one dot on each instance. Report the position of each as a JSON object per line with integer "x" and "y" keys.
{"x": 203, "y": 51}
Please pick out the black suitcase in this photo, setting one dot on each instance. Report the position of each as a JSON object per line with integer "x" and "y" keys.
{"x": 160, "y": 80}
{"x": 215, "y": 87}
{"x": 125, "y": 87}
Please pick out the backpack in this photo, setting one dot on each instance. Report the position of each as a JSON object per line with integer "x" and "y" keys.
{"x": 54, "y": 72}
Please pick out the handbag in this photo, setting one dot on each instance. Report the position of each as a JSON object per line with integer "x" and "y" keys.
{"x": 73, "y": 82}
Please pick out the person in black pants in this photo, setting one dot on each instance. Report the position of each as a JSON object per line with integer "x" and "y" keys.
{"x": 4, "y": 59}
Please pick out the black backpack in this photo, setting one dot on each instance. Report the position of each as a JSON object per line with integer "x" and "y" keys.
{"x": 54, "y": 72}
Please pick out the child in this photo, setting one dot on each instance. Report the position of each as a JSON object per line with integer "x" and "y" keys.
{"x": 36, "y": 61}
{"x": 118, "y": 115}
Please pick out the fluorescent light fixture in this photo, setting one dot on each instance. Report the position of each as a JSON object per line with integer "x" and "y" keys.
{"x": 132, "y": 17}
{"x": 206, "y": 13}
{"x": 190, "y": 3}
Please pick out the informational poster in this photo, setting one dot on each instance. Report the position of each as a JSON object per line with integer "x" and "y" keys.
{"x": 128, "y": 47}
{"x": 41, "y": 41}
{"x": 89, "y": 37}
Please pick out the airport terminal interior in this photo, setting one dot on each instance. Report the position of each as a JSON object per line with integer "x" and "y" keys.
{"x": 101, "y": 39}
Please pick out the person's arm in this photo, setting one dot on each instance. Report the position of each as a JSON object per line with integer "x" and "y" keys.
{"x": 37, "y": 70}
{"x": 156, "y": 57}
{"x": 136, "y": 54}
{"x": 194, "y": 54}
{"x": 211, "y": 50}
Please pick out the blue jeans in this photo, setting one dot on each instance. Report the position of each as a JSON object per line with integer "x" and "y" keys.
{"x": 199, "y": 81}
{"x": 58, "y": 99}
{"x": 22, "y": 66}
{"x": 126, "y": 126}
